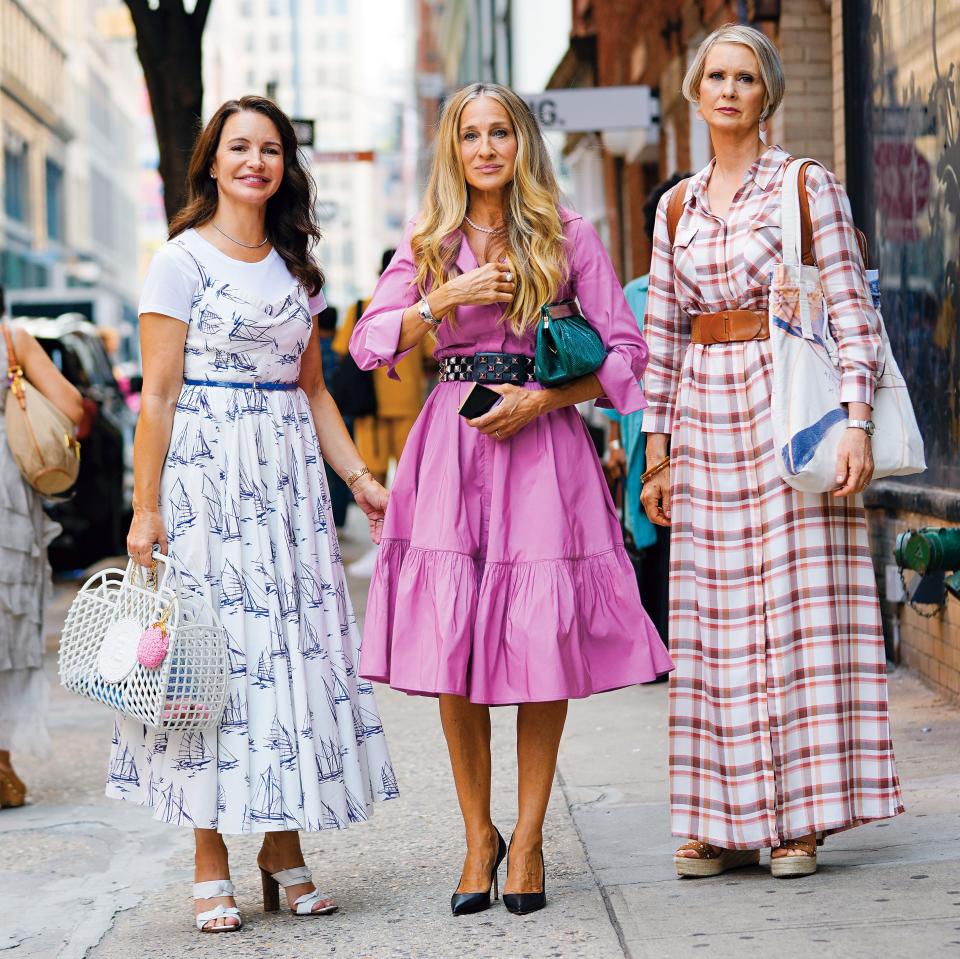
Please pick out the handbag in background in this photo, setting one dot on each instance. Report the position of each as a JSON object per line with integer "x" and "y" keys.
{"x": 568, "y": 347}
{"x": 42, "y": 439}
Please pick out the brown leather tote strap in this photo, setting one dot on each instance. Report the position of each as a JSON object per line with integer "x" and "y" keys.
{"x": 12, "y": 362}
{"x": 806, "y": 227}
{"x": 675, "y": 210}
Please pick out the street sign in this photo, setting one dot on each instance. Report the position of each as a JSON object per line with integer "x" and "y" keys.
{"x": 304, "y": 130}
{"x": 585, "y": 109}
{"x": 343, "y": 156}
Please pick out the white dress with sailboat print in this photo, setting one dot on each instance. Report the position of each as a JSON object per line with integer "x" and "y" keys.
{"x": 300, "y": 745}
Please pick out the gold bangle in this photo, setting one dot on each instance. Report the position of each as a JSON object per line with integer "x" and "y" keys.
{"x": 354, "y": 475}
{"x": 662, "y": 465}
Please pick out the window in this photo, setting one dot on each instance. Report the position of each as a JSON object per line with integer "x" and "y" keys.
{"x": 320, "y": 7}
{"x": 55, "y": 218}
{"x": 251, "y": 80}
{"x": 101, "y": 209}
{"x": 250, "y": 42}
{"x": 274, "y": 41}
{"x": 16, "y": 186}
{"x": 321, "y": 75}
{"x": 246, "y": 8}
{"x": 341, "y": 8}
{"x": 273, "y": 8}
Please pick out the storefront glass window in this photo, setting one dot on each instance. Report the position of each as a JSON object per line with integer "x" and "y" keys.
{"x": 903, "y": 154}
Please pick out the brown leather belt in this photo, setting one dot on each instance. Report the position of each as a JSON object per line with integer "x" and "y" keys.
{"x": 730, "y": 326}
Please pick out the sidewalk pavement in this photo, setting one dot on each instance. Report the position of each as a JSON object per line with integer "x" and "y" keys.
{"x": 81, "y": 875}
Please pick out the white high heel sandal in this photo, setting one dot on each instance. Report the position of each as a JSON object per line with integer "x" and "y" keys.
{"x": 294, "y": 877}
{"x": 211, "y": 890}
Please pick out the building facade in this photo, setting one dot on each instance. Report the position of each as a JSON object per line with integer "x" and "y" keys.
{"x": 347, "y": 66}
{"x": 873, "y": 91}
{"x": 70, "y": 171}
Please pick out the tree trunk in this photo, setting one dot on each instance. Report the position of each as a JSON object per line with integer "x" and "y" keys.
{"x": 169, "y": 45}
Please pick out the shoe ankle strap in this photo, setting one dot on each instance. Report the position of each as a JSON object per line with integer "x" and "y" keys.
{"x": 293, "y": 877}
{"x": 212, "y": 889}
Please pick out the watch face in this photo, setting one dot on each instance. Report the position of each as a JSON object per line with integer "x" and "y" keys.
{"x": 871, "y": 428}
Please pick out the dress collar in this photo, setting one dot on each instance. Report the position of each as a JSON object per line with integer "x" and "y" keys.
{"x": 762, "y": 171}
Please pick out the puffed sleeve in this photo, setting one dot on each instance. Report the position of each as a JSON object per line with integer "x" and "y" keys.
{"x": 853, "y": 320}
{"x": 170, "y": 284}
{"x": 665, "y": 327}
{"x": 375, "y": 337}
{"x": 605, "y": 307}
{"x": 317, "y": 303}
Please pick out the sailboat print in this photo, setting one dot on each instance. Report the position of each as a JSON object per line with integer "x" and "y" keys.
{"x": 356, "y": 811}
{"x": 200, "y": 450}
{"x": 181, "y": 507}
{"x": 252, "y": 333}
{"x": 366, "y": 723}
{"x": 194, "y": 754}
{"x": 311, "y": 588}
{"x": 389, "y": 781}
{"x": 211, "y": 497}
{"x": 231, "y": 522}
{"x": 309, "y": 641}
{"x": 178, "y": 449}
{"x": 268, "y": 802}
{"x": 340, "y": 692}
{"x": 208, "y": 321}
{"x": 306, "y": 731}
{"x": 348, "y": 667}
{"x": 278, "y": 639}
{"x": 264, "y": 675}
{"x": 225, "y": 759}
{"x": 252, "y": 491}
{"x": 290, "y": 531}
{"x": 242, "y": 363}
{"x": 226, "y": 292}
{"x": 236, "y": 659}
{"x": 236, "y": 589}
{"x": 329, "y": 761}
{"x": 123, "y": 770}
{"x": 234, "y": 713}
{"x": 281, "y": 741}
{"x": 221, "y": 798}
{"x": 173, "y": 807}
{"x": 329, "y": 819}
{"x": 160, "y": 744}
{"x": 320, "y": 518}
{"x": 261, "y": 453}
{"x": 288, "y": 595}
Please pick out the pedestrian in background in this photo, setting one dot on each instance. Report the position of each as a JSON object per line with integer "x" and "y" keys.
{"x": 502, "y": 577}
{"x": 25, "y": 585}
{"x": 381, "y": 436}
{"x": 779, "y": 731}
{"x": 340, "y": 495}
{"x": 227, "y": 476}
{"x": 626, "y": 460}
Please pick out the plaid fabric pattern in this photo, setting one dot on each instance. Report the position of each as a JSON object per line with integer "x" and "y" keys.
{"x": 778, "y": 705}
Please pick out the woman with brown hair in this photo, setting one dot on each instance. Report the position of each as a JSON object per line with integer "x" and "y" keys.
{"x": 235, "y": 424}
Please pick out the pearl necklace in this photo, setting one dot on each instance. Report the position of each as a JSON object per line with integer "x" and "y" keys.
{"x": 247, "y": 246}
{"x": 482, "y": 229}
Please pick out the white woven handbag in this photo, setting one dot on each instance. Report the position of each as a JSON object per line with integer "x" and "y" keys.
{"x": 808, "y": 419}
{"x": 143, "y": 644}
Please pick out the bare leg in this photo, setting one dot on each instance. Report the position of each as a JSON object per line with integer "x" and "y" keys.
{"x": 5, "y": 759}
{"x": 796, "y": 847}
{"x": 467, "y": 728}
{"x": 211, "y": 862}
{"x": 281, "y": 850}
{"x": 539, "y": 728}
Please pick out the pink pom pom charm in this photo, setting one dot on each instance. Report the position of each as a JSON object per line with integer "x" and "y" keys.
{"x": 154, "y": 643}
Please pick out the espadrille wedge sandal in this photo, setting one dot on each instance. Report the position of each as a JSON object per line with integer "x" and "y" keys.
{"x": 803, "y": 862}
{"x": 713, "y": 860}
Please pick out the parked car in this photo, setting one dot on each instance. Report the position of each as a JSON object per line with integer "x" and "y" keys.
{"x": 95, "y": 513}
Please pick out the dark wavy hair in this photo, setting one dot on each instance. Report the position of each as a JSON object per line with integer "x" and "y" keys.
{"x": 291, "y": 224}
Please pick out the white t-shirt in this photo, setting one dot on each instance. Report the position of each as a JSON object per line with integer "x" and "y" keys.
{"x": 173, "y": 278}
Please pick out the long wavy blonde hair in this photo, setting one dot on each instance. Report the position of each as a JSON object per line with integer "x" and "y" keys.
{"x": 534, "y": 229}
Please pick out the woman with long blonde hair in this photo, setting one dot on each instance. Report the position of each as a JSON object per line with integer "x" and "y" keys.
{"x": 502, "y": 577}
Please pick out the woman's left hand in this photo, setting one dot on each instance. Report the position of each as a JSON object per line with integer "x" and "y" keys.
{"x": 854, "y": 462}
{"x": 372, "y": 498}
{"x": 518, "y": 408}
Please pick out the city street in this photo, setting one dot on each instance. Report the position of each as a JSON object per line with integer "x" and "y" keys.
{"x": 84, "y": 876}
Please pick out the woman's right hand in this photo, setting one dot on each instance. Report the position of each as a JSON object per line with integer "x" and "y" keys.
{"x": 485, "y": 284}
{"x": 146, "y": 531}
{"x": 655, "y": 498}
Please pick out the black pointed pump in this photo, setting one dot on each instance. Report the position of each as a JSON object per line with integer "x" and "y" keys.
{"x": 464, "y": 903}
{"x": 520, "y": 903}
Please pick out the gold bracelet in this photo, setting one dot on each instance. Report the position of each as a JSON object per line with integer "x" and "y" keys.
{"x": 354, "y": 475}
{"x": 662, "y": 465}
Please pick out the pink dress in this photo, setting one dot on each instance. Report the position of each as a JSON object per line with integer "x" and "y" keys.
{"x": 502, "y": 575}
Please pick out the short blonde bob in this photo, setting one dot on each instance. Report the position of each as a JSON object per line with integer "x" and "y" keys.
{"x": 768, "y": 60}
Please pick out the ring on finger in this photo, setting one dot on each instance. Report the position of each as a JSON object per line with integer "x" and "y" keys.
{"x": 508, "y": 277}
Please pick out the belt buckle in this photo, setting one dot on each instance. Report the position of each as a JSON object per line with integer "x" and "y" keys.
{"x": 725, "y": 320}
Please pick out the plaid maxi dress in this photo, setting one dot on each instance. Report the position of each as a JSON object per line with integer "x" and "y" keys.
{"x": 778, "y": 705}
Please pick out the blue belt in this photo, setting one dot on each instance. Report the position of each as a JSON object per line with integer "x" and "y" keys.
{"x": 241, "y": 386}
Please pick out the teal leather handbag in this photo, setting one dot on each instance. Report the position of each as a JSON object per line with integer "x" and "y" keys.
{"x": 568, "y": 347}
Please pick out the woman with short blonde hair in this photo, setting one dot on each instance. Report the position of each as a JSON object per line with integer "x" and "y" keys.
{"x": 779, "y": 732}
{"x": 502, "y": 577}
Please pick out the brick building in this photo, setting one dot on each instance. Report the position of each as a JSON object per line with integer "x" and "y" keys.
{"x": 874, "y": 94}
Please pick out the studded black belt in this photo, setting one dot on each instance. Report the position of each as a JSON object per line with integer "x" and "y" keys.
{"x": 487, "y": 368}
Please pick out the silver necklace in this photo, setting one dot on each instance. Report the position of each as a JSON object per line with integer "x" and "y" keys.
{"x": 482, "y": 229}
{"x": 246, "y": 246}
